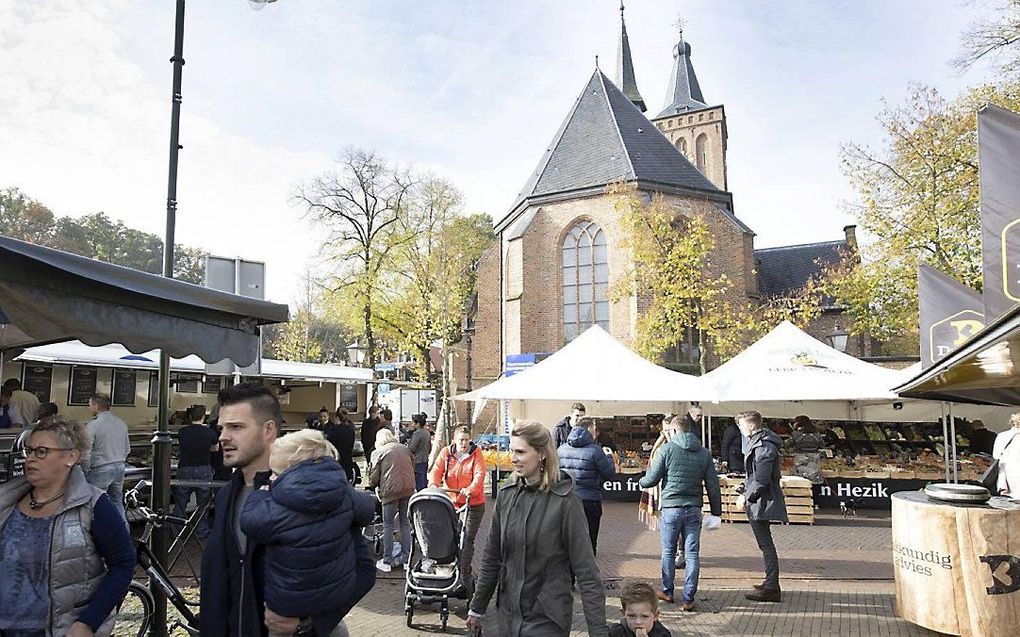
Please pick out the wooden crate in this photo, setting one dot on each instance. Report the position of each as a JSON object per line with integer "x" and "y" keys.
{"x": 800, "y": 503}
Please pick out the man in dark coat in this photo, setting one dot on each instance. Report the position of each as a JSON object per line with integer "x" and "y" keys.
{"x": 763, "y": 497}
{"x": 982, "y": 440}
{"x": 585, "y": 461}
{"x": 232, "y": 600}
{"x": 340, "y": 434}
{"x": 369, "y": 427}
{"x": 731, "y": 451}
{"x": 562, "y": 429}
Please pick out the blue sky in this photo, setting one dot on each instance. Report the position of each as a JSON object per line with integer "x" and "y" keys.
{"x": 472, "y": 91}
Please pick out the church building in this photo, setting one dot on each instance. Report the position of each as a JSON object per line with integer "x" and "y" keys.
{"x": 559, "y": 248}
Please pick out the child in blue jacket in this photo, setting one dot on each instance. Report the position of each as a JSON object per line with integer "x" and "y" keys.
{"x": 310, "y": 520}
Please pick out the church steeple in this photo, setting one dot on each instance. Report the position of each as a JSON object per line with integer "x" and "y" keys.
{"x": 684, "y": 93}
{"x": 625, "y": 79}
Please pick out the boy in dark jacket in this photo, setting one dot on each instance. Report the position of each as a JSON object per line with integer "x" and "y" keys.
{"x": 585, "y": 461}
{"x": 310, "y": 521}
{"x": 640, "y": 613}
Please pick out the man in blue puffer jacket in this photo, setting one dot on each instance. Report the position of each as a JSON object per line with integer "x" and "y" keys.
{"x": 309, "y": 521}
{"x": 589, "y": 466}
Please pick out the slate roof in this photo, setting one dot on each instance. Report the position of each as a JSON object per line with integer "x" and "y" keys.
{"x": 786, "y": 269}
{"x": 684, "y": 92}
{"x": 605, "y": 139}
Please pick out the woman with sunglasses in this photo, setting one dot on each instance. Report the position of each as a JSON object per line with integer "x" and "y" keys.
{"x": 66, "y": 556}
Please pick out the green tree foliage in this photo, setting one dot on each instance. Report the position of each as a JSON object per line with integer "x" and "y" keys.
{"x": 358, "y": 204}
{"x": 95, "y": 236}
{"x": 917, "y": 202}
{"x": 671, "y": 272}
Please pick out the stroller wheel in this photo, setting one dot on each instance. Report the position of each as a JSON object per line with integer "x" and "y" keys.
{"x": 443, "y": 616}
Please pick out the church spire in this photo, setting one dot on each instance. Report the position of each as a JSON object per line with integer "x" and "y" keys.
{"x": 684, "y": 93}
{"x": 625, "y": 67}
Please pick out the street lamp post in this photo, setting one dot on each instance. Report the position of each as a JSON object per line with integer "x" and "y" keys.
{"x": 161, "y": 442}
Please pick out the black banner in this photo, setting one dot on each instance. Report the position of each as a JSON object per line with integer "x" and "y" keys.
{"x": 82, "y": 386}
{"x": 951, "y": 313}
{"x": 125, "y": 386}
{"x": 999, "y": 161}
{"x": 866, "y": 493}
{"x": 38, "y": 379}
{"x": 624, "y": 489}
{"x": 349, "y": 398}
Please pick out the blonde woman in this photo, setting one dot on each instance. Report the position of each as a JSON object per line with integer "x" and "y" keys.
{"x": 1007, "y": 451}
{"x": 317, "y": 565}
{"x": 392, "y": 477}
{"x": 537, "y": 538}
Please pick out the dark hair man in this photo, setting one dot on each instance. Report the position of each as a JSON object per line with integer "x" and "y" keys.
{"x": 763, "y": 498}
{"x": 585, "y": 461}
{"x": 562, "y": 430}
{"x": 231, "y": 603}
{"x": 340, "y": 434}
{"x": 420, "y": 444}
{"x": 369, "y": 427}
{"x": 22, "y": 406}
{"x": 195, "y": 443}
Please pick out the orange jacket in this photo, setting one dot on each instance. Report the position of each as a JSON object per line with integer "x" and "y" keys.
{"x": 450, "y": 473}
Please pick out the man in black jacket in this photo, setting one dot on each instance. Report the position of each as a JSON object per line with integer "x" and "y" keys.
{"x": 731, "y": 450}
{"x": 562, "y": 429}
{"x": 231, "y": 592}
{"x": 340, "y": 434}
{"x": 369, "y": 427}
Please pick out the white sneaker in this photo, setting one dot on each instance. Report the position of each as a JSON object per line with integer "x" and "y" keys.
{"x": 383, "y": 566}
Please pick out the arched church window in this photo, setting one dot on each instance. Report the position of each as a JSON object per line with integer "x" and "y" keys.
{"x": 681, "y": 145}
{"x": 585, "y": 280}
{"x": 701, "y": 152}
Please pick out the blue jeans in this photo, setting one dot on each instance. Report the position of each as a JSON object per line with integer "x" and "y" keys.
{"x": 391, "y": 510}
{"x": 182, "y": 495}
{"x": 674, "y": 523}
{"x": 110, "y": 478}
{"x": 421, "y": 479}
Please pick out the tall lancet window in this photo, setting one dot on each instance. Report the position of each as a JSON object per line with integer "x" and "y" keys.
{"x": 701, "y": 153}
{"x": 585, "y": 280}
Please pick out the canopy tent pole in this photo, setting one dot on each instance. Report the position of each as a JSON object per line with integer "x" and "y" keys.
{"x": 945, "y": 448}
{"x": 952, "y": 435}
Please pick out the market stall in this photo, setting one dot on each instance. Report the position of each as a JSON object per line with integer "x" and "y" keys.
{"x": 877, "y": 443}
{"x": 626, "y": 394}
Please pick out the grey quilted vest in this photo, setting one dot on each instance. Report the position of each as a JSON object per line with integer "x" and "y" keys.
{"x": 75, "y": 568}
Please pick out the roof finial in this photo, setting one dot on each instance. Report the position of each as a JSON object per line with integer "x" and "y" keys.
{"x": 596, "y": 60}
{"x": 679, "y": 23}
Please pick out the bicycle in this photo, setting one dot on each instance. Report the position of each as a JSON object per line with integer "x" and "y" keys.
{"x": 139, "y": 606}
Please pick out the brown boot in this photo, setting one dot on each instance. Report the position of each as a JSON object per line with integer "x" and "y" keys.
{"x": 664, "y": 597}
{"x": 687, "y": 607}
{"x": 765, "y": 595}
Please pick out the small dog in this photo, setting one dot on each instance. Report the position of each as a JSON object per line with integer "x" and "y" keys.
{"x": 848, "y": 507}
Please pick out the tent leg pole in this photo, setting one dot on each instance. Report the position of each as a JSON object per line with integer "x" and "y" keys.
{"x": 945, "y": 436}
{"x": 952, "y": 436}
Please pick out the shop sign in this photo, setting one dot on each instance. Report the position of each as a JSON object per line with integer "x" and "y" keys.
{"x": 866, "y": 493}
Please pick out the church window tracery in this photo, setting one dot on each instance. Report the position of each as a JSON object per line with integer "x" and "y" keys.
{"x": 585, "y": 279}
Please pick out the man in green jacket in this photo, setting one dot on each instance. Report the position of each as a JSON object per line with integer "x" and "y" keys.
{"x": 684, "y": 468}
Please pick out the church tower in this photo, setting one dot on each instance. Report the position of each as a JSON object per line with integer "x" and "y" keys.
{"x": 695, "y": 128}
{"x": 625, "y": 78}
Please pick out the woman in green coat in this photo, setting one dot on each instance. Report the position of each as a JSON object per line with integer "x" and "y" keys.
{"x": 538, "y": 537}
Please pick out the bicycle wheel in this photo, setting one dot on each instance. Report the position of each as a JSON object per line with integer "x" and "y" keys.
{"x": 134, "y": 614}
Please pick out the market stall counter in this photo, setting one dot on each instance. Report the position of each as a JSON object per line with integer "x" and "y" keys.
{"x": 957, "y": 567}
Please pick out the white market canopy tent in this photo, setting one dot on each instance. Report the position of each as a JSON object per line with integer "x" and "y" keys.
{"x": 114, "y": 355}
{"x": 599, "y": 371}
{"x": 788, "y": 372}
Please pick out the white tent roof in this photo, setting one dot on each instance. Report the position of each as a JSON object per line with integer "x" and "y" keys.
{"x": 788, "y": 364}
{"x": 78, "y": 353}
{"x": 594, "y": 367}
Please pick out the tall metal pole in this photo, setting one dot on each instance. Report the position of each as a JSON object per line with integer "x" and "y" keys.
{"x": 161, "y": 444}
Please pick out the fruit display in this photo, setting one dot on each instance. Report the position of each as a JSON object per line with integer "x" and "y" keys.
{"x": 497, "y": 459}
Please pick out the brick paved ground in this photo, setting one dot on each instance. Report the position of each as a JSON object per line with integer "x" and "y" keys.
{"x": 836, "y": 576}
{"x": 837, "y": 580}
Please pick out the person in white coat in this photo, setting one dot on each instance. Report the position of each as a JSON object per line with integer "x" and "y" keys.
{"x": 1007, "y": 451}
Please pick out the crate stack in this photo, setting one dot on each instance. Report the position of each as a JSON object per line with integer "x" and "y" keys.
{"x": 800, "y": 504}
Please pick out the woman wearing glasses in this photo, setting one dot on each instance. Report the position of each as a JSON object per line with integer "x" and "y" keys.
{"x": 66, "y": 556}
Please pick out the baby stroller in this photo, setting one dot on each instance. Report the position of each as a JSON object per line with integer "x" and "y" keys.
{"x": 433, "y": 572}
